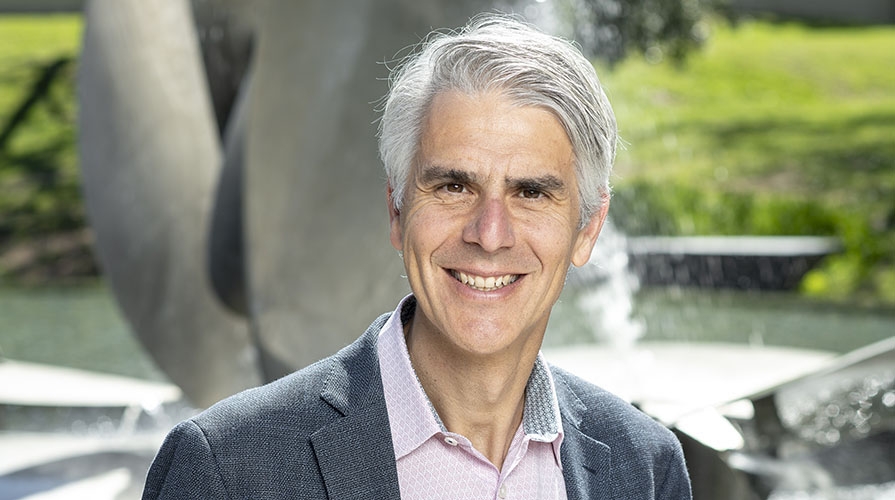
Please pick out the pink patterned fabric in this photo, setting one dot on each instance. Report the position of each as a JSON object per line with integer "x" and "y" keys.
{"x": 436, "y": 464}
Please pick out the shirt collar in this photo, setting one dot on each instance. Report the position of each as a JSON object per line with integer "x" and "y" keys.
{"x": 412, "y": 417}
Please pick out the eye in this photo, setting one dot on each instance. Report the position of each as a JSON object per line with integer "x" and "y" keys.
{"x": 531, "y": 194}
{"x": 454, "y": 188}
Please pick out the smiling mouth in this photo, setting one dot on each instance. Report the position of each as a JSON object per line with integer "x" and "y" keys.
{"x": 483, "y": 284}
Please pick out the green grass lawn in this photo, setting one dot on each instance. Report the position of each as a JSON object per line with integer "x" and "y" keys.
{"x": 770, "y": 129}
{"x": 39, "y": 178}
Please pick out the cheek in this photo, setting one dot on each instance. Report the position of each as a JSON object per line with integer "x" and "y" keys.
{"x": 554, "y": 249}
{"x": 423, "y": 228}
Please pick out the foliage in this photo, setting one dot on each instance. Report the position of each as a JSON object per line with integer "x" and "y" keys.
{"x": 657, "y": 29}
{"x": 770, "y": 129}
{"x": 39, "y": 177}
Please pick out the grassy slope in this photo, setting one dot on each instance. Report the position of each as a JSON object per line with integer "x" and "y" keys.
{"x": 39, "y": 178}
{"x": 771, "y": 129}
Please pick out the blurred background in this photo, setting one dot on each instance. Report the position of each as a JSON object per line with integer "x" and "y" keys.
{"x": 751, "y": 242}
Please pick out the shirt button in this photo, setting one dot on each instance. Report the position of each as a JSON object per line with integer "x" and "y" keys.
{"x": 451, "y": 441}
{"x": 503, "y": 491}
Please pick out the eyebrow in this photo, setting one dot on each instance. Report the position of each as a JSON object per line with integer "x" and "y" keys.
{"x": 434, "y": 174}
{"x": 548, "y": 183}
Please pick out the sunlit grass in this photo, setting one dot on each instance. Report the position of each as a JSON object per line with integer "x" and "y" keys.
{"x": 39, "y": 176}
{"x": 27, "y": 42}
{"x": 770, "y": 129}
{"x": 760, "y": 98}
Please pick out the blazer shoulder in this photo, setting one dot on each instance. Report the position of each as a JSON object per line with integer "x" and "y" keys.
{"x": 315, "y": 392}
{"x": 268, "y": 427}
{"x": 607, "y": 417}
{"x": 263, "y": 439}
{"x": 648, "y": 461}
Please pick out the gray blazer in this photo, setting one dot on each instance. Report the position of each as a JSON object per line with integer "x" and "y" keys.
{"x": 323, "y": 432}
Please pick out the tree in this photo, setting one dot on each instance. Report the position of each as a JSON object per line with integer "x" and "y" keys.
{"x": 659, "y": 29}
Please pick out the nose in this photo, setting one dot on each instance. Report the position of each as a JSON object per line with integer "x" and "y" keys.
{"x": 491, "y": 226}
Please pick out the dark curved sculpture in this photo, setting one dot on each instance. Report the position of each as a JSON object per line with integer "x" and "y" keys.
{"x": 232, "y": 179}
{"x": 150, "y": 154}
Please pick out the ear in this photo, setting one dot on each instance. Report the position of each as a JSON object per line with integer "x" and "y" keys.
{"x": 587, "y": 236}
{"x": 396, "y": 232}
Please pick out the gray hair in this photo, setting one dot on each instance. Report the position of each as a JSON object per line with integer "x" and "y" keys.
{"x": 499, "y": 53}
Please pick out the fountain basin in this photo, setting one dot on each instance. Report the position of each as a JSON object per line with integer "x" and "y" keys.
{"x": 669, "y": 380}
{"x": 34, "y": 384}
{"x": 741, "y": 262}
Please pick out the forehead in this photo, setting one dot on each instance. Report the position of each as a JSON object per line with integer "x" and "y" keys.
{"x": 490, "y": 129}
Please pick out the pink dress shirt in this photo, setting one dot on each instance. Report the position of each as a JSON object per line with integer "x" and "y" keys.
{"x": 434, "y": 463}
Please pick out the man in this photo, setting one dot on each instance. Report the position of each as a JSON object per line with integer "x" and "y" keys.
{"x": 498, "y": 142}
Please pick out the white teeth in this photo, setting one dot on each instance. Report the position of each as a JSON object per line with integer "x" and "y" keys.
{"x": 485, "y": 284}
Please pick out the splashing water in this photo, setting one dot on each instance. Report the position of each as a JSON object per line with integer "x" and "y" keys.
{"x": 606, "y": 289}
{"x": 884, "y": 491}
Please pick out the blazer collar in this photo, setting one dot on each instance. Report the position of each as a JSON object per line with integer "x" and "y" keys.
{"x": 354, "y": 451}
{"x": 586, "y": 462}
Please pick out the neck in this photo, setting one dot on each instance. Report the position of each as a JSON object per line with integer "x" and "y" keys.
{"x": 479, "y": 397}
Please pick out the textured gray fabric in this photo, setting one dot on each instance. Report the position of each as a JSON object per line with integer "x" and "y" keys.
{"x": 612, "y": 450}
{"x": 539, "y": 417}
{"x": 323, "y": 432}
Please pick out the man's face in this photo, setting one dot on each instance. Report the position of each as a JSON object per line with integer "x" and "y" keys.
{"x": 490, "y": 222}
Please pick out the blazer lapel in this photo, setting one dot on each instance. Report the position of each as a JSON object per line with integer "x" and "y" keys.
{"x": 356, "y": 457}
{"x": 586, "y": 465}
{"x": 586, "y": 462}
{"x": 355, "y": 452}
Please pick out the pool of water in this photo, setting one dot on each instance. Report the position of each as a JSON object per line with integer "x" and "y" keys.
{"x": 77, "y": 327}
{"x": 693, "y": 315}
{"x": 81, "y": 326}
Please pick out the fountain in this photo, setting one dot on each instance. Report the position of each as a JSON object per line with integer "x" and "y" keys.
{"x": 756, "y": 423}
